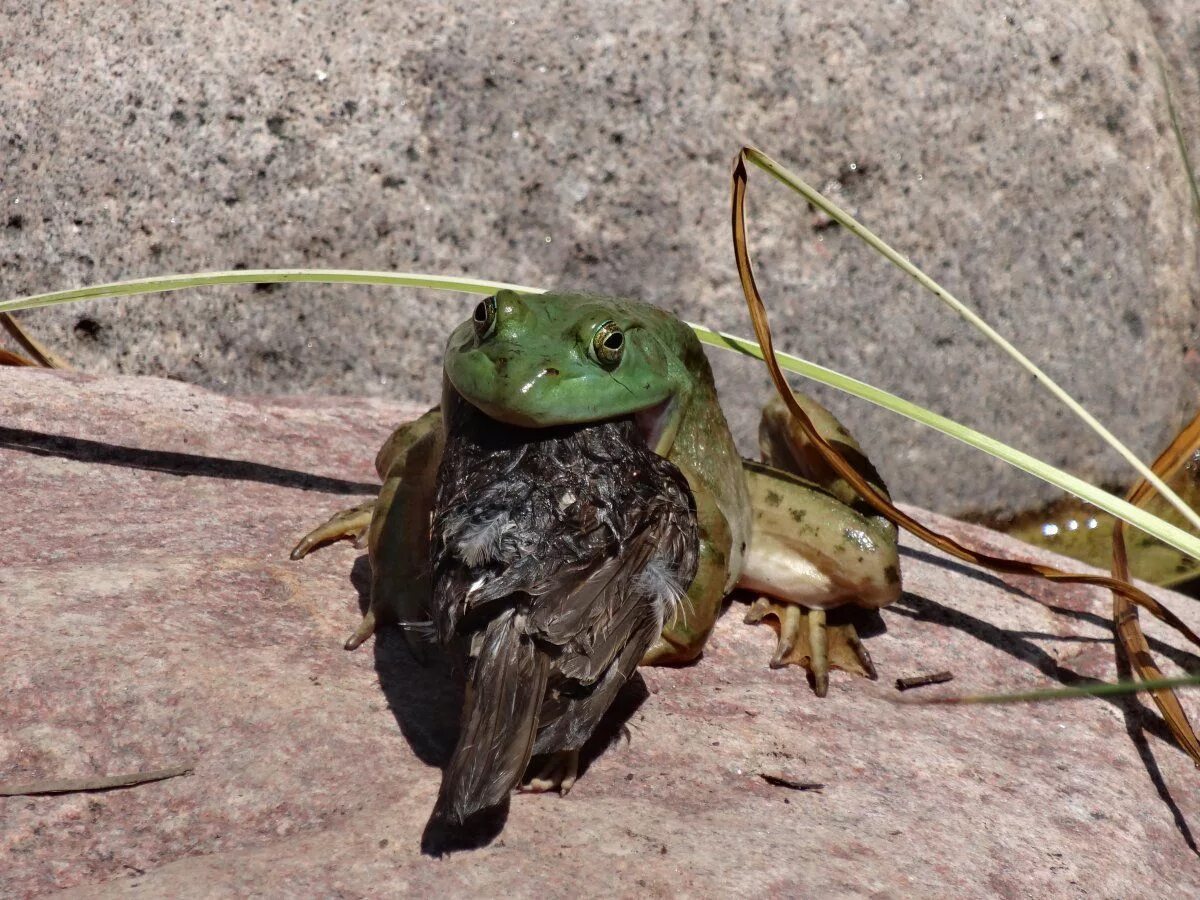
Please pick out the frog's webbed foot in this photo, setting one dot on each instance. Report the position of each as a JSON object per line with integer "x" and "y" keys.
{"x": 349, "y": 524}
{"x": 808, "y": 639}
{"x": 557, "y": 773}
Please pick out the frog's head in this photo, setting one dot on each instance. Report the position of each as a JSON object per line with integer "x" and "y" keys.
{"x": 558, "y": 359}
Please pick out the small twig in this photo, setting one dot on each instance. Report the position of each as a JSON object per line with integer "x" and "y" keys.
{"x": 916, "y": 681}
{"x": 790, "y": 783}
{"x": 81, "y": 785}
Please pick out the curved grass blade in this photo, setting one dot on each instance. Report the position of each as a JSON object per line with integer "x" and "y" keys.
{"x": 1180, "y": 141}
{"x": 260, "y": 276}
{"x": 1163, "y": 531}
{"x": 843, "y": 218}
{"x": 1175, "y": 537}
{"x": 762, "y": 330}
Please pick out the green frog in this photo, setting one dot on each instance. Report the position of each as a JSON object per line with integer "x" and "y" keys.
{"x": 787, "y": 531}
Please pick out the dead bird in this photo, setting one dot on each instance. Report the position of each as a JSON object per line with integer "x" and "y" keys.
{"x": 557, "y": 556}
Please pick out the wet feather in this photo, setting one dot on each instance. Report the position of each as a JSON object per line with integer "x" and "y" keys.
{"x": 557, "y": 556}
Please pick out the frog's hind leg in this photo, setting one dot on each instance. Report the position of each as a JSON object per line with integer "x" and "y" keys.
{"x": 809, "y": 554}
{"x": 349, "y": 524}
{"x": 815, "y": 546}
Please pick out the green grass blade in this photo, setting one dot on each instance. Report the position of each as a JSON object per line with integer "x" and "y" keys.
{"x": 261, "y": 276}
{"x": 843, "y": 218}
{"x": 1180, "y": 140}
{"x": 1164, "y": 531}
{"x": 1072, "y": 693}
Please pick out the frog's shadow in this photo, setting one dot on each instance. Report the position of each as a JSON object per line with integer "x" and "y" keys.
{"x": 425, "y": 696}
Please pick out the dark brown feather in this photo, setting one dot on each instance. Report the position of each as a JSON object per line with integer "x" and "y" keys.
{"x": 553, "y": 554}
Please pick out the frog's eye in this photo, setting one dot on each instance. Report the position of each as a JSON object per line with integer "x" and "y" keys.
{"x": 484, "y": 317}
{"x": 608, "y": 343}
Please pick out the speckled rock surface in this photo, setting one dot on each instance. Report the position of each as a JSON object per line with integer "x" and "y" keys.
{"x": 1022, "y": 154}
{"x": 1177, "y": 29}
{"x": 151, "y": 617}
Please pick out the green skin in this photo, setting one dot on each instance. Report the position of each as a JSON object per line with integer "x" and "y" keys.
{"x": 788, "y": 530}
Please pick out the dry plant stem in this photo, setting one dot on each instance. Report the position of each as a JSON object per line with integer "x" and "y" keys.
{"x": 790, "y": 783}
{"x": 758, "y": 315}
{"x": 42, "y": 356}
{"x": 793, "y": 181}
{"x": 101, "y": 783}
{"x": 1126, "y": 626}
{"x": 1179, "y": 451}
{"x": 13, "y": 359}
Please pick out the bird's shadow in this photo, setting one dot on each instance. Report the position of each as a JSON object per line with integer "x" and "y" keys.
{"x": 424, "y": 691}
{"x": 1138, "y": 719}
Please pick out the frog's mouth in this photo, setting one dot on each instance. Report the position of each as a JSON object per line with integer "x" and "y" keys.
{"x": 656, "y": 425}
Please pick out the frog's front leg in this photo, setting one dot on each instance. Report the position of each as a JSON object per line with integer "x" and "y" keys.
{"x": 353, "y": 523}
{"x": 684, "y": 635}
{"x": 348, "y": 524}
{"x": 396, "y": 525}
{"x": 815, "y": 545}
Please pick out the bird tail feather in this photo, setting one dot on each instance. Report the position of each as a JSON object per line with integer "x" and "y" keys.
{"x": 499, "y": 721}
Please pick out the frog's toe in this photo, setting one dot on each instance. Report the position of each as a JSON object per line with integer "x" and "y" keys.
{"x": 365, "y": 629}
{"x": 806, "y": 638}
{"x": 557, "y": 773}
{"x": 351, "y": 524}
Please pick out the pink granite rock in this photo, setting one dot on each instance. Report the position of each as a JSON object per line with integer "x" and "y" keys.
{"x": 151, "y": 617}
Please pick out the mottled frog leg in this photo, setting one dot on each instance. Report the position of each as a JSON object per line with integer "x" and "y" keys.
{"x": 683, "y": 637}
{"x": 398, "y": 539}
{"x": 815, "y": 545}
